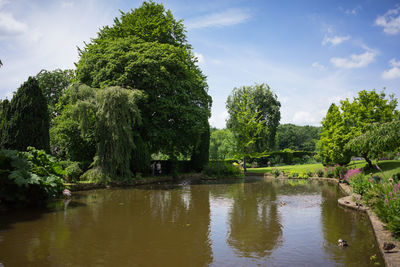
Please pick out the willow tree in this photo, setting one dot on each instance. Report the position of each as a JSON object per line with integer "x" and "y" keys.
{"x": 146, "y": 49}
{"x": 109, "y": 117}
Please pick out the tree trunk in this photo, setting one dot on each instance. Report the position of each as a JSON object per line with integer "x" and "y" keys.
{"x": 368, "y": 161}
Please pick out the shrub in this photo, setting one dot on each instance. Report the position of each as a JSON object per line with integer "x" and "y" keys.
{"x": 320, "y": 173}
{"x": 352, "y": 172}
{"x": 303, "y": 176}
{"x": 339, "y": 172}
{"x": 293, "y": 175}
{"x": 396, "y": 177}
{"x": 360, "y": 183}
{"x": 309, "y": 173}
{"x": 72, "y": 171}
{"x": 276, "y": 172}
{"x": 392, "y": 206}
{"x": 329, "y": 172}
{"x": 26, "y": 180}
{"x": 221, "y": 169}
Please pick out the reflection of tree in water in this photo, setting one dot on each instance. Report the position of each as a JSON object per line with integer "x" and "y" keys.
{"x": 352, "y": 226}
{"x": 255, "y": 229}
{"x": 122, "y": 228}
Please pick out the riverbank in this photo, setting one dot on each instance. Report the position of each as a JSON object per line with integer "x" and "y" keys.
{"x": 382, "y": 234}
{"x": 142, "y": 181}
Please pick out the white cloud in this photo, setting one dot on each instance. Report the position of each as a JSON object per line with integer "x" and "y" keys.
{"x": 353, "y": 11}
{"x": 226, "y": 18}
{"x": 10, "y": 26}
{"x": 394, "y": 72}
{"x": 67, "y": 4}
{"x": 354, "y": 61}
{"x": 335, "y": 40}
{"x": 304, "y": 118}
{"x": 318, "y": 65}
{"x": 390, "y": 21}
{"x": 200, "y": 58}
{"x": 3, "y": 2}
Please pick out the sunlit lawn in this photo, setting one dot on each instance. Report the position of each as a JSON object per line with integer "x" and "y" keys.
{"x": 389, "y": 167}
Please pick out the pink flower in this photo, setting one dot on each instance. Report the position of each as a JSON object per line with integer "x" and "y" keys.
{"x": 386, "y": 200}
{"x": 378, "y": 167}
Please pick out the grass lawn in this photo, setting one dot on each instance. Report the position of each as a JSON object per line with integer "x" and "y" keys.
{"x": 389, "y": 167}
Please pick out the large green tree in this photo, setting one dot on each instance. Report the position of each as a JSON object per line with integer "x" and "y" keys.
{"x": 265, "y": 102}
{"x": 379, "y": 138}
{"x": 146, "y": 49}
{"x": 27, "y": 119}
{"x": 53, "y": 85}
{"x": 101, "y": 120}
{"x": 248, "y": 123}
{"x": 350, "y": 120}
{"x": 297, "y": 137}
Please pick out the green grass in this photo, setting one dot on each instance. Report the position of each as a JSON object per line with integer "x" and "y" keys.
{"x": 389, "y": 167}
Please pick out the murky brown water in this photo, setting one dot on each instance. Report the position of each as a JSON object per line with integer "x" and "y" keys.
{"x": 220, "y": 224}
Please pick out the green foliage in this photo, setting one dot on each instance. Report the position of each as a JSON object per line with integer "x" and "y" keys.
{"x": 221, "y": 169}
{"x": 28, "y": 178}
{"x": 222, "y": 144}
{"x": 379, "y": 138}
{"x": 319, "y": 173}
{"x": 201, "y": 151}
{"x": 53, "y": 85}
{"x": 72, "y": 171}
{"x": 293, "y": 175}
{"x": 264, "y": 103}
{"x": 360, "y": 184}
{"x": 27, "y": 120}
{"x": 339, "y": 172}
{"x": 351, "y": 120}
{"x": 246, "y": 123}
{"x": 297, "y": 137}
{"x": 146, "y": 49}
{"x": 329, "y": 172}
{"x": 276, "y": 172}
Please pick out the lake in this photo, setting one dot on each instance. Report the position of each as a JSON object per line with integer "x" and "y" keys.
{"x": 257, "y": 222}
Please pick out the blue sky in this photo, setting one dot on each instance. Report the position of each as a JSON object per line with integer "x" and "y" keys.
{"x": 311, "y": 53}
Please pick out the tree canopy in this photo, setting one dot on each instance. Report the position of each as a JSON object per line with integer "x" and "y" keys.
{"x": 146, "y": 49}
{"x": 53, "y": 85}
{"x": 350, "y": 120}
{"x": 297, "y": 137}
{"x": 266, "y": 104}
{"x": 248, "y": 123}
{"x": 222, "y": 144}
{"x": 379, "y": 138}
{"x": 27, "y": 119}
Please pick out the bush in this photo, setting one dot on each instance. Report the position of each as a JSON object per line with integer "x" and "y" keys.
{"x": 27, "y": 178}
{"x": 221, "y": 169}
{"x": 303, "y": 176}
{"x": 293, "y": 175}
{"x": 319, "y": 173}
{"x": 339, "y": 172}
{"x": 360, "y": 183}
{"x": 329, "y": 172}
{"x": 309, "y": 173}
{"x": 72, "y": 171}
{"x": 396, "y": 177}
{"x": 276, "y": 172}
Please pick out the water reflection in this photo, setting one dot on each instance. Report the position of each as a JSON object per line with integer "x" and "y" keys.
{"x": 219, "y": 224}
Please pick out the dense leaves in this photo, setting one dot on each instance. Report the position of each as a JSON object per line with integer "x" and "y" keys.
{"x": 379, "y": 138}
{"x": 266, "y": 103}
{"x": 27, "y": 119}
{"x": 28, "y": 178}
{"x": 350, "y": 120}
{"x": 247, "y": 123}
{"x": 146, "y": 50}
{"x": 222, "y": 144}
{"x": 297, "y": 137}
{"x": 53, "y": 85}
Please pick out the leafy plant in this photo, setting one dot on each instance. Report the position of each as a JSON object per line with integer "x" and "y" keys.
{"x": 276, "y": 172}
{"x": 360, "y": 183}
{"x": 320, "y": 173}
{"x": 293, "y": 175}
{"x": 221, "y": 169}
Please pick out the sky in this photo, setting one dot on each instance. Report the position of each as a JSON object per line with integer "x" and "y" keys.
{"x": 311, "y": 53}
